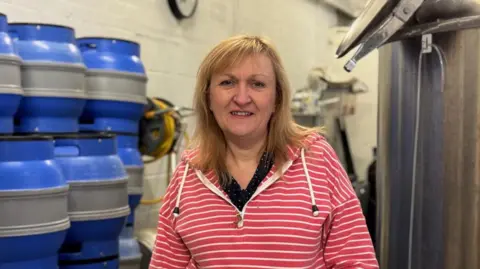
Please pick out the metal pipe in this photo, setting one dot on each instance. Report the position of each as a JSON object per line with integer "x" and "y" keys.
{"x": 435, "y": 10}
{"x": 400, "y": 15}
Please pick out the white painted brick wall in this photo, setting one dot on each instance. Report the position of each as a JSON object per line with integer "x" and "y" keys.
{"x": 172, "y": 50}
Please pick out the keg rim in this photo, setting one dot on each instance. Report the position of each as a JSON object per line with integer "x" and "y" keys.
{"x": 41, "y": 24}
{"x": 25, "y": 137}
{"x": 107, "y": 38}
{"x": 75, "y": 135}
{"x": 81, "y": 135}
{"x": 115, "y": 133}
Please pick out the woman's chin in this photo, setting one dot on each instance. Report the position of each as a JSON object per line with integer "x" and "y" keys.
{"x": 242, "y": 132}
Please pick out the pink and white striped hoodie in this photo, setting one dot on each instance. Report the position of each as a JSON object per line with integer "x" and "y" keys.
{"x": 309, "y": 217}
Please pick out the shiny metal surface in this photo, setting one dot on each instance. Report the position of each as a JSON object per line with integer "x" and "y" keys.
{"x": 430, "y": 211}
{"x": 433, "y": 10}
{"x": 374, "y": 11}
{"x": 437, "y": 27}
{"x": 382, "y": 19}
{"x": 380, "y": 33}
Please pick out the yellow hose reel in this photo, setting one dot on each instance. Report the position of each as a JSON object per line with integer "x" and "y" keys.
{"x": 161, "y": 129}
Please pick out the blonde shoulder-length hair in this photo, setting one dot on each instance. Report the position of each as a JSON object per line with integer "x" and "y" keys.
{"x": 208, "y": 138}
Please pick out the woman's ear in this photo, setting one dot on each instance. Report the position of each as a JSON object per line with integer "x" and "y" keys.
{"x": 209, "y": 104}
{"x": 207, "y": 97}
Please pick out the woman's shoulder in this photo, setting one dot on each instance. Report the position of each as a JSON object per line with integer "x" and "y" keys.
{"x": 315, "y": 145}
{"x": 184, "y": 168}
{"x": 173, "y": 186}
{"x": 324, "y": 166}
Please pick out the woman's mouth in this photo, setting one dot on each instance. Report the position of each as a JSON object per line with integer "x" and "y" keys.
{"x": 241, "y": 113}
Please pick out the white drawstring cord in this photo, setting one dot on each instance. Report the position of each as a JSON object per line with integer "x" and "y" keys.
{"x": 176, "y": 210}
{"x": 312, "y": 196}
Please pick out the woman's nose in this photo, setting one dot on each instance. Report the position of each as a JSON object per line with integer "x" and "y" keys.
{"x": 242, "y": 95}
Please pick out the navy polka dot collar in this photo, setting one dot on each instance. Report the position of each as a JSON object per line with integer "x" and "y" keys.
{"x": 239, "y": 196}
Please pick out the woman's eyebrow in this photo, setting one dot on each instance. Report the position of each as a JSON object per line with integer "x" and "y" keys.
{"x": 261, "y": 75}
{"x": 251, "y": 76}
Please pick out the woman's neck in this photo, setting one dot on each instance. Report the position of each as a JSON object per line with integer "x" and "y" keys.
{"x": 244, "y": 151}
{"x": 242, "y": 159}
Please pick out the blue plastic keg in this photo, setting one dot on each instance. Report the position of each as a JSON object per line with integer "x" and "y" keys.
{"x": 10, "y": 79}
{"x": 133, "y": 163}
{"x": 97, "y": 201}
{"x": 33, "y": 203}
{"x": 53, "y": 78}
{"x": 116, "y": 85}
{"x": 130, "y": 254}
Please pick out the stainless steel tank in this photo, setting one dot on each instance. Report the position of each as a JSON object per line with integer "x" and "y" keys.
{"x": 429, "y": 153}
{"x": 428, "y": 176}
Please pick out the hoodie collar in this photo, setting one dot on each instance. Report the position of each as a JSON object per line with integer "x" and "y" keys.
{"x": 211, "y": 181}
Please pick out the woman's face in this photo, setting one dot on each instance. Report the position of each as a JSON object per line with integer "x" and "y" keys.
{"x": 242, "y": 98}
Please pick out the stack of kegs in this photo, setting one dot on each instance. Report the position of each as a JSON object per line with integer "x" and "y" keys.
{"x": 10, "y": 79}
{"x": 116, "y": 90}
{"x": 33, "y": 191}
{"x": 63, "y": 193}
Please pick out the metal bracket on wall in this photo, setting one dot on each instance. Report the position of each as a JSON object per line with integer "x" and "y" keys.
{"x": 427, "y": 43}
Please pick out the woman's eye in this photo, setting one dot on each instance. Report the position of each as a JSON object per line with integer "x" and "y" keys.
{"x": 226, "y": 83}
{"x": 258, "y": 84}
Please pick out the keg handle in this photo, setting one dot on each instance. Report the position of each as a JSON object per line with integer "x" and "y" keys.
{"x": 87, "y": 46}
{"x": 66, "y": 148}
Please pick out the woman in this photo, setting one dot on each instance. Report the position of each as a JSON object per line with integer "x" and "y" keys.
{"x": 257, "y": 190}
